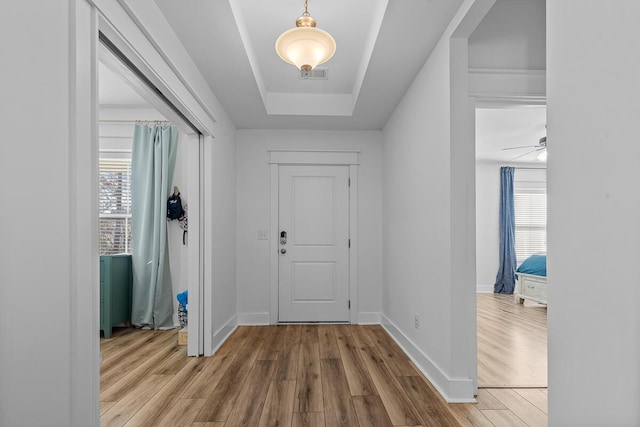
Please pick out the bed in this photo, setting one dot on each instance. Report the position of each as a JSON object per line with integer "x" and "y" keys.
{"x": 531, "y": 280}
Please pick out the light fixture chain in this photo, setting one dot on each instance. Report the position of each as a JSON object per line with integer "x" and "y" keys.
{"x": 306, "y": 7}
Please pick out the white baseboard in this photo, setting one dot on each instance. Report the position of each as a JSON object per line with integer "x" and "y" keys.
{"x": 254, "y": 319}
{"x": 366, "y": 318}
{"x": 484, "y": 289}
{"x": 453, "y": 390}
{"x": 369, "y": 318}
{"x": 221, "y": 335}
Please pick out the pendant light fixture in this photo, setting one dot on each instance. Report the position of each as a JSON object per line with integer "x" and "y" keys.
{"x": 305, "y": 46}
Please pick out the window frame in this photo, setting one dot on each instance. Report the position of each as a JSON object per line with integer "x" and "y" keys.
{"x": 521, "y": 189}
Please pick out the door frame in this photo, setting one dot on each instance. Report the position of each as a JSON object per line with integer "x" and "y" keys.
{"x": 87, "y": 18}
{"x": 284, "y": 157}
{"x": 194, "y": 142}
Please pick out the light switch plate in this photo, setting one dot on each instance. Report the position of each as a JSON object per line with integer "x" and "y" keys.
{"x": 263, "y": 235}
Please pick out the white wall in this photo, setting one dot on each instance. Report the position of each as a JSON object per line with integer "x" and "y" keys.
{"x": 507, "y": 54}
{"x": 510, "y": 37}
{"x": 488, "y": 216}
{"x": 416, "y": 215}
{"x": 35, "y": 271}
{"x": 594, "y": 206}
{"x": 253, "y": 189}
{"x": 220, "y": 179}
{"x": 428, "y": 216}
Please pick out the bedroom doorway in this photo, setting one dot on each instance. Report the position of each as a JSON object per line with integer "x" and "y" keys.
{"x": 512, "y": 337}
{"x": 127, "y": 98}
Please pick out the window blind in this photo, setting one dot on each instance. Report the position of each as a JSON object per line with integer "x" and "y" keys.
{"x": 531, "y": 222}
{"x": 114, "y": 198}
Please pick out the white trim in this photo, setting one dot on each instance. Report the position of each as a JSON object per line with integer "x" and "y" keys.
{"x": 254, "y": 319}
{"x": 508, "y": 72}
{"x": 223, "y": 334}
{"x": 274, "y": 239}
{"x": 313, "y": 157}
{"x": 353, "y": 236}
{"x": 201, "y": 241}
{"x": 82, "y": 185}
{"x": 453, "y": 390}
{"x": 369, "y": 318}
{"x": 349, "y": 158}
{"x": 484, "y": 289}
{"x": 194, "y": 253}
{"x": 503, "y": 87}
{"x": 210, "y": 338}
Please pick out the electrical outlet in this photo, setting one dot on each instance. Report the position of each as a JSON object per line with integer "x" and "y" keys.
{"x": 263, "y": 235}
{"x": 417, "y": 321}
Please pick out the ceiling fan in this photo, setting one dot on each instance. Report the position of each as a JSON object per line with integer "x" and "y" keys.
{"x": 541, "y": 148}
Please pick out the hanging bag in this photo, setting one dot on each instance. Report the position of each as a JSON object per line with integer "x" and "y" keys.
{"x": 174, "y": 207}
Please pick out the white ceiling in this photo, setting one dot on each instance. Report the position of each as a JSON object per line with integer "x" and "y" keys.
{"x": 381, "y": 46}
{"x": 500, "y": 128}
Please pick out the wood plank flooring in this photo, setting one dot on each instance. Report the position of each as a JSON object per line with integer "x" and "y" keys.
{"x": 288, "y": 375}
{"x": 512, "y": 342}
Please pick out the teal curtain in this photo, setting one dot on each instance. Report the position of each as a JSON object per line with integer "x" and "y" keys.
{"x": 152, "y": 162}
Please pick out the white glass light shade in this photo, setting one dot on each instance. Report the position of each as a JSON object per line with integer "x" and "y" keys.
{"x": 542, "y": 156}
{"x": 305, "y": 47}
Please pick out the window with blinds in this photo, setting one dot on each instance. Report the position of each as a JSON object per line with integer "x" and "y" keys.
{"x": 115, "y": 206}
{"x": 531, "y": 222}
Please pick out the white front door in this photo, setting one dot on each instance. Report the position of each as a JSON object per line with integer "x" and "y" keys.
{"x": 314, "y": 244}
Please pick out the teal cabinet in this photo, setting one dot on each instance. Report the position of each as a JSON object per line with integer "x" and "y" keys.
{"x": 116, "y": 278}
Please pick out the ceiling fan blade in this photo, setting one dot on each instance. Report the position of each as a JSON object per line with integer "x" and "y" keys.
{"x": 522, "y": 155}
{"x": 516, "y": 148}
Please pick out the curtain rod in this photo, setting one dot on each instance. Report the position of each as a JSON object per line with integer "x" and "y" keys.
{"x": 516, "y": 167}
{"x": 134, "y": 121}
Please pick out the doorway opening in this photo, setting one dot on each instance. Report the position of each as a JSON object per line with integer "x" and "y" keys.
{"x": 126, "y": 99}
{"x": 512, "y": 331}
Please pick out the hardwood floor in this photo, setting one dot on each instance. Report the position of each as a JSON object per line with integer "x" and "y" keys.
{"x": 288, "y": 375}
{"x": 512, "y": 342}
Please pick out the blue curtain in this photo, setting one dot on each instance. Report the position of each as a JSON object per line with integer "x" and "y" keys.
{"x": 152, "y": 162}
{"x": 505, "y": 280}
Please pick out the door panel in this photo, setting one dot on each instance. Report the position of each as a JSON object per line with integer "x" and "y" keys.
{"x": 314, "y": 261}
{"x": 313, "y": 216}
{"x": 314, "y": 281}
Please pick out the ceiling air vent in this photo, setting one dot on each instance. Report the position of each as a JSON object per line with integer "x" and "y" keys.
{"x": 315, "y": 74}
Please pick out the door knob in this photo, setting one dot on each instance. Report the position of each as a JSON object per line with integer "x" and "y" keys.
{"x": 283, "y": 251}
